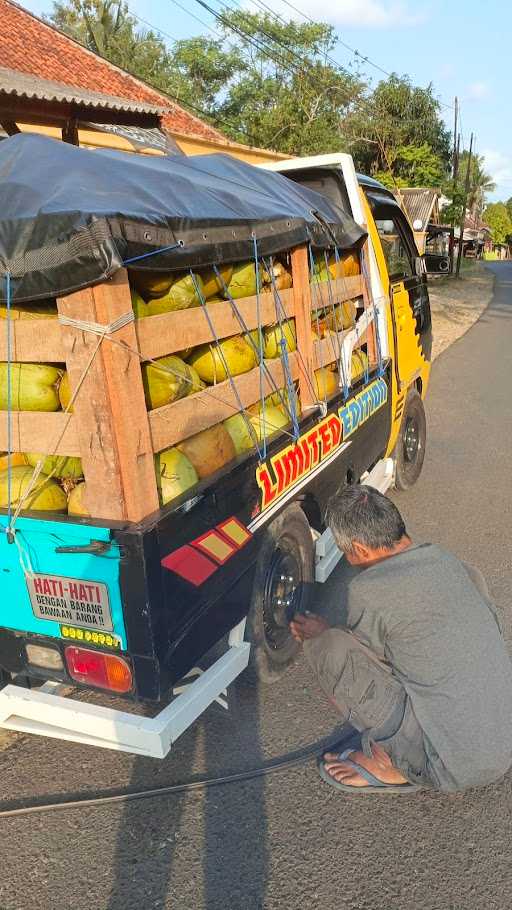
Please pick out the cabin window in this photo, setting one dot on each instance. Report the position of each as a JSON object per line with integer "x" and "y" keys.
{"x": 399, "y": 262}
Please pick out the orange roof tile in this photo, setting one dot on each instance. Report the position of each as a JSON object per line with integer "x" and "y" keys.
{"x": 31, "y": 46}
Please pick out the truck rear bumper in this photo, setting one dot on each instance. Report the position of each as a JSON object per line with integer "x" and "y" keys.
{"x": 46, "y": 712}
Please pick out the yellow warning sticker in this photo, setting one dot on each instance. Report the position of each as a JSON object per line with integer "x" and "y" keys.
{"x": 87, "y": 636}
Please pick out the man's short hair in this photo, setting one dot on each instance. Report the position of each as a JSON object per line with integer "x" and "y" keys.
{"x": 361, "y": 513}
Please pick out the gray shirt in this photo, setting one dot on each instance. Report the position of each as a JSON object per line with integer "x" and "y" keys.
{"x": 420, "y": 611}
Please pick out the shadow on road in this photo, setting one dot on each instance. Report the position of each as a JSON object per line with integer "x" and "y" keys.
{"x": 214, "y": 839}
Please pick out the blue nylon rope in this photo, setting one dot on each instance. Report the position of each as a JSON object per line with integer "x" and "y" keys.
{"x": 9, "y": 532}
{"x": 284, "y": 352}
{"x": 260, "y": 338}
{"x": 332, "y": 304}
{"x": 249, "y": 339}
{"x": 346, "y": 387}
{"x": 163, "y": 249}
{"x": 202, "y": 300}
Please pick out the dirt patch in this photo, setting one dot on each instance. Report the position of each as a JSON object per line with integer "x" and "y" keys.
{"x": 457, "y": 304}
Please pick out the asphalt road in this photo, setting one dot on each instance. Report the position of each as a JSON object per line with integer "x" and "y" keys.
{"x": 289, "y": 841}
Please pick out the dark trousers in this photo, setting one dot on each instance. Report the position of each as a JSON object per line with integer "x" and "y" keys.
{"x": 370, "y": 698}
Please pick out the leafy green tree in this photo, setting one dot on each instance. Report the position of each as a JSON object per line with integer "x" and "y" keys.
{"x": 497, "y": 217}
{"x": 289, "y": 97}
{"x": 480, "y": 183}
{"x": 509, "y": 206}
{"x": 107, "y": 28}
{"x": 273, "y": 83}
{"x": 413, "y": 165}
{"x": 194, "y": 72}
{"x": 395, "y": 116}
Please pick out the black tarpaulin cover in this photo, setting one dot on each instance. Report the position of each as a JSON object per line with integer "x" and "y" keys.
{"x": 69, "y": 217}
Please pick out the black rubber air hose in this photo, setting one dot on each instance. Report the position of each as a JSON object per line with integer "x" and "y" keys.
{"x": 298, "y": 757}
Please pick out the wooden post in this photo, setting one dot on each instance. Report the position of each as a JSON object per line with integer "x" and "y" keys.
{"x": 110, "y": 408}
{"x": 302, "y": 307}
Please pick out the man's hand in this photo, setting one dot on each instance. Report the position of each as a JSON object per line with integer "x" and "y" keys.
{"x": 304, "y": 626}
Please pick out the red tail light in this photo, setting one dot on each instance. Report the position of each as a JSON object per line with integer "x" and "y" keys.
{"x": 106, "y": 671}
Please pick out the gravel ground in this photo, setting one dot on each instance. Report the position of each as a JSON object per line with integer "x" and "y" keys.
{"x": 457, "y": 304}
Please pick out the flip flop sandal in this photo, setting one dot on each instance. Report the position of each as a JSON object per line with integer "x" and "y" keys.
{"x": 374, "y": 784}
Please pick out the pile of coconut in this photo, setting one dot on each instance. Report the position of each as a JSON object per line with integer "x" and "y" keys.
{"x": 44, "y": 387}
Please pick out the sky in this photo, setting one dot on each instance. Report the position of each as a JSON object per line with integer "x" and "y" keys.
{"x": 463, "y": 49}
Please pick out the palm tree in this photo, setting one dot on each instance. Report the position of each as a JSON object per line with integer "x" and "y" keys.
{"x": 480, "y": 183}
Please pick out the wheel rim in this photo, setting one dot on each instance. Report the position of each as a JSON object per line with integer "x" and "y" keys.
{"x": 411, "y": 440}
{"x": 282, "y": 596}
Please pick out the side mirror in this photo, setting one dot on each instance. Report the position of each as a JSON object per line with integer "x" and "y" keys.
{"x": 437, "y": 265}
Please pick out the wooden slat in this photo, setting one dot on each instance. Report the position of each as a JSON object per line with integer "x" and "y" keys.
{"x": 160, "y": 335}
{"x": 302, "y": 305}
{"x": 34, "y": 431}
{"x": 111, "y": 417}
{"x": 33, "y": 341}
{"x": 183, "y": 418}
{"x": 340, "y": 289}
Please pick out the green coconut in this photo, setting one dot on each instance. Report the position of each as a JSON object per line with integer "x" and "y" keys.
{"x": 34, "y": 387}
{"x": 243, "y": 280}
{"x": 170, "y": 380}
{"x": 46, "y": 496}
{"x": 65, "y": 393}
{"x": 139, "y": 305}
{"x": 174, "y": 474}
{"x": 240, "y": 434}
{"x": 209, "y": 361}
{"x": 209, "y": 450}
{"x": 15, "y": 459}
{"x": 43, "y": 310}
{"x": 151, "y": 284}
{"x": 281, "y": 399}
{"x": 76, "y": 501}
{"x": 359, "y": 364}
{"x": 212, "y": 285}
{"x": 326, "y": 382}
{"x": 62, "y": 467}
{"x": 180, "y": 296}
{"x": 342, "y": 317}
{"x": 273, "y": 336}
{"x": 269, "y": 421}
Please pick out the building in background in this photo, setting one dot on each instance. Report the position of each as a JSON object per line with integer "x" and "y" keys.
{"x": 421, "y": 205}
{"x": 50, "y": 84}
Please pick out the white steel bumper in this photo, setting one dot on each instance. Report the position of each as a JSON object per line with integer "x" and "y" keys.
{"x": 45, "y": 712}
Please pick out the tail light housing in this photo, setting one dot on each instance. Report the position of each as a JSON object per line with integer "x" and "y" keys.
{"x": 94, "y": 668}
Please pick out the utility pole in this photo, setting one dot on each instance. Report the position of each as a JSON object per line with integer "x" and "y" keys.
{"x": 455, "y": 163}
{"x": 455, "y": 142}
{"x": 463, "y": 216}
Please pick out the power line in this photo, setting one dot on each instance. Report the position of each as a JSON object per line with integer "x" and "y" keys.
{"x": 262, "y": 47}
{"x": 355, "y": 52}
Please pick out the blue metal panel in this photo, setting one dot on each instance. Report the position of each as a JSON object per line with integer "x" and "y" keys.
{"x": 38, "y": 538}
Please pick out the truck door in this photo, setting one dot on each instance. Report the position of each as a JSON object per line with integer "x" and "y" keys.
{"x": 408, "y": 293}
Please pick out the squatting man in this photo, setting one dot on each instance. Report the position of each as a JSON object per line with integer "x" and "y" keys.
{"x": 421, "y": 669}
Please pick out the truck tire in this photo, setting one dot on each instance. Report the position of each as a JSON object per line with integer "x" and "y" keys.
{"x": 410, "y": 448}
{"x": 282, "y": 586}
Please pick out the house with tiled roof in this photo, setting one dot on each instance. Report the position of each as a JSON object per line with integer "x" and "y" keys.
{"x": 421, "y": 205}
{"x": 35, "y": 53}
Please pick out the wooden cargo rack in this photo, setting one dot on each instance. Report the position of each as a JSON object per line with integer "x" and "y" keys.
{"x": 110, "y": 427}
